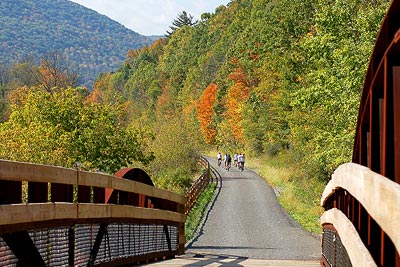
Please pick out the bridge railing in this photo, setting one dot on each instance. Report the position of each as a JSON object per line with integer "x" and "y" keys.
{"x": 361, "y": 219}
{"x": 208, "y": 176}
{"x": 53, "y": 216}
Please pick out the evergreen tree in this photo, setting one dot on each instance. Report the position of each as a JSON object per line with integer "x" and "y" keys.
{"x": 183, "y": 19}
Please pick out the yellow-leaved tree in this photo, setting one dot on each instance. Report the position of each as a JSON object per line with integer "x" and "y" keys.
{"x": 205, "y": 113}
{"x": 236, "y": 97}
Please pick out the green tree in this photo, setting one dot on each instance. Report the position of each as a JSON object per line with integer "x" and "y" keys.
{"x": 176, "y": 147}
{"x": 22, "y": 73}
{"x": 5, "y": 88}
{"x": 302, "y": 63}
{"x": 183, "y": 19}
{"x": 335, "y": 58}
{"x": 60, "y": 128}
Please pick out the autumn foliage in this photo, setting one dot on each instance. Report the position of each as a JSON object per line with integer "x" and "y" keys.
{"x": 99, "y": 88}
{"x": 205, "y": 113}
{"x": 248, "y": 78}
{"x": 235, "y": 100}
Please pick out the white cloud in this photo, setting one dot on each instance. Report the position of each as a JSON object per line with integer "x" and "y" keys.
{"x": 150, "y": 17}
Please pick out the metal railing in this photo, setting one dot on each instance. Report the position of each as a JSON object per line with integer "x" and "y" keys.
{"x": 361, "y": 211}
{"x": 53, "y": 216}
{"x": 208, "y": 176}
{"x": 362, "y": 208}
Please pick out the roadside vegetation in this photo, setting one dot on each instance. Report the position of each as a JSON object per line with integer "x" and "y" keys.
{"x": 279, "y": 80}
{"x": 198, "y": 212}
{"x": 298, "y": 194}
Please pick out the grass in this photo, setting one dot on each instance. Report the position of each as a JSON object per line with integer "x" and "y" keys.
{"x": 298, "y": 195}
{"x": 195, "y": 216}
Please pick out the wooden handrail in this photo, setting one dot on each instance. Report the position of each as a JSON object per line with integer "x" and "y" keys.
{"x": 19, "y": 171}
{"x": 32, "y": 213}
{"x": 70, "y": 199}
{"x": 57, "y": 197}
{"x": 377, "y": 194}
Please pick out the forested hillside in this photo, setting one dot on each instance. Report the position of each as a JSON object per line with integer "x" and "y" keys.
{"x": 261, "y": 76}
{"x": 90, "y": 41}
{"x": 264, "y": 77}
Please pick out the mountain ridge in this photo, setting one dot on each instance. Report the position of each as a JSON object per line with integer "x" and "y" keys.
{"x": 88, "y": 40}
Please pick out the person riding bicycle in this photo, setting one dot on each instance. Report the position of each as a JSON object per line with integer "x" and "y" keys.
{"x": 228, "y": 161}
{"x": 235, "y": 160}
{"x": 219, "y": 158}
{"x": 241, "y": 160}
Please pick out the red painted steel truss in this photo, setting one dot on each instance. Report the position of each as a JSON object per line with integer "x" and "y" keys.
{"x": 377, "y": 141}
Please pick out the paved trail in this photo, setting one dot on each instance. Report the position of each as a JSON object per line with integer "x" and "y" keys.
{"x": 246, "y": 222}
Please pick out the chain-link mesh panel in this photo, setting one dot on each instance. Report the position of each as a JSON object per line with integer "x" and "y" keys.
{"x": 7, "y": 258}
{"x": 328, "y": 246}
{"x": 59, "y": 246}
{"x": 333, "y": 250}
{"x": 128, "y": 240}
{"x": 174, "y": 235}
{"x": 118, "y": 241}
{"x": 52, "y": 244}
{"x": 342, "y": 258}
{"x": 41, "y": 239}
{"x": 85, "y": 234}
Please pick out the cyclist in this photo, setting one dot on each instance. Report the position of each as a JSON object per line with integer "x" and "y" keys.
{"x": 235, "y": 160}
{"x": 241, "y": 160}
{"x": 228, "y": 161}
{"x": 219, "y": 158}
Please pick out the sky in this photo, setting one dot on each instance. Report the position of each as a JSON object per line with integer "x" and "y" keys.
{"x": 150, "y": 17}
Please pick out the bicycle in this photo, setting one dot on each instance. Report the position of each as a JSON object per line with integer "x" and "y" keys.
{"x": 241, "y": 166}
{"x": 228, "y": 166}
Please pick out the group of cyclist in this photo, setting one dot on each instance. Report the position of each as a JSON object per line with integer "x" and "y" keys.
{"x": 238, "y": 160}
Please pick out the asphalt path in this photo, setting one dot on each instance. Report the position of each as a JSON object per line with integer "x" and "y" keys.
{"x": 246, "y": 220}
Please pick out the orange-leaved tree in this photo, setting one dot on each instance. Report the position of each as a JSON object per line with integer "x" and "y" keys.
{"x": 236, "y": 96}
{"x": 100, "y": 90}
{"x": 205, "y": 113}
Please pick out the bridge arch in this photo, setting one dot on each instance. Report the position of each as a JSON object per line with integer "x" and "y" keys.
{"x": 365, "y": 207}
{"x": 133, "y": 174}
